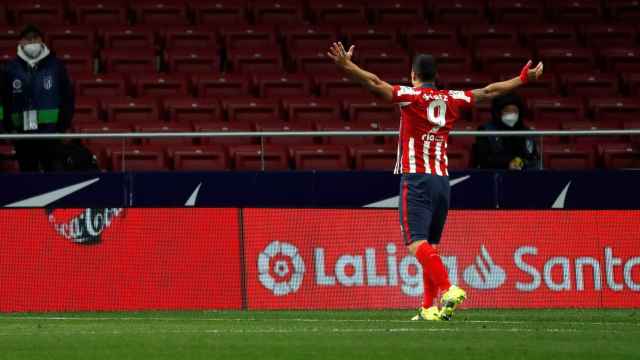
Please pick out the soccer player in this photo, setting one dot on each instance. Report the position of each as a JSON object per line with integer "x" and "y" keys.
{"x": 427, "y": 116}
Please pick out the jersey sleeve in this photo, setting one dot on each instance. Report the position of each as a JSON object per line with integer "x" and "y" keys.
{"x": 404, "y": 95}
{"x": 462, "y": 99}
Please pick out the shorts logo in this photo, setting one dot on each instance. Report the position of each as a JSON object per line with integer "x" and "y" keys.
{"x": 484, "y": 274}
{"x": 48, "y": 82}
{"x": 281, "y": 268}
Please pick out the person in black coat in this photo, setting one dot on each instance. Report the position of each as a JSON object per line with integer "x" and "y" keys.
{"x": 498, "y": 152}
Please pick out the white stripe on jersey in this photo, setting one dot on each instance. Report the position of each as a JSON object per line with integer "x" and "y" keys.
{"x": 412, "y": 156}
{"x": 398, "y": 168}
{"x": 437, "y": 158}
{"x": 425, "y": 157}
{"x": 446, "y": 160}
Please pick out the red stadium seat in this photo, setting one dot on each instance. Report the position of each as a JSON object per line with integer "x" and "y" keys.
{"x": 452, "y": 60}
{"x": 423, "y": 38}
{"x": 609, "y": 35}
{"x": 465, "y": 81}
{"x": 543, "y": 87}
{"x": 160, "y": 12}
{"x": 220, "y": 12}
{"x": 624, "y": 10}
{"x": 321, "y": 158}
{"x": 37, "y": 12}
{"x": 223, "y": 126}
{"x": 128, "y": 37}
{"x": 268, "y": 157}
{"x": 632, "y": 83}
{"x": 8, "y": 163}
{"x": 374, "y": 157}
{"x": 252, "y": 61}
{"x": 279, "y": 86}
{"x": 77, "y": 60}
{"x": 550, "y": 35}
{"x": 369, "y": 110}
{"x": 622, "y": 157}
{"x": 458, "y": 12}
{"x": 311, "y": 110}
{"x": 568, "y": 157}
{"x": 278, "y": 12}
{"x": 287, "y": 127}
{"x": 105, "y": 85}
{"x": 576, "y": 11}
{"x": 246, "y": 38}
{"x": 615, "y": 110}
{"x": 96, "y": 143}
{"x": 221, "y": 85}
{"x": 517, "y": 12}
{"x": 485, "y": 37}
{"x": 557, "y": 109}
{"x": 160, "y": 85}
{"x": 388, "y": 60}
{"x": 137, "y": 160}
{"x": 313, "y": 62}
{"x": 99, "y": 13}
{"x": 586, "y": 125}
{"x": 591, "y": 85}
{"x": 377, "y": 37}
{"x": 9, "y": 37}
{"x": 62, "y": 37}
{"x": 189, "y": 37}
{"x": 165, "y": 127}
{"x": 338, "y": 86}
{"x": 338, "y": 12}
{"x": 199, "y": 158}
{"x": 131, "y": 111}
{"x": 458, "y": 158}
{"x": 126, "y": 61}
{"x": 568, "y": 60}
{"x": 87, "y": 110}
{"x": 309, "y": 37}
{"x": 251, "y": 109}
{"x": 186, "y": 109}
{"x": 4, "y": 20}
{"x": 204, "y": 61}
{"x": 338, "y": 125}
{"x": 503, "y": 60}
{"x": 398, "y": 12}
{"x": 621, "y": 59}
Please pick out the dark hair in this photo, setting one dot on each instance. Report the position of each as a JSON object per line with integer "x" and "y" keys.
{"x": 424, "y": 66}
{"x": 31, "y": 29}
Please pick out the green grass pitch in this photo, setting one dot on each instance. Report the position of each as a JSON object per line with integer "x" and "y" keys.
{"x": 474, "y": 334}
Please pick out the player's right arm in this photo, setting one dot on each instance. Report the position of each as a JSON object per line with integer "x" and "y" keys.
{"x": 369, "y": 80}
{"x": 499, "y": 88}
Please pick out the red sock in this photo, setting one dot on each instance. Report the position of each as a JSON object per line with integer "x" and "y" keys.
{"x": 433, "y": 266}
{"x": 430, "y": 290}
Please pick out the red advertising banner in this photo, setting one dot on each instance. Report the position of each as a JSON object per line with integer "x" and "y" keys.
{"x": 344, "y": 259}
{"x": 119, "y": 259}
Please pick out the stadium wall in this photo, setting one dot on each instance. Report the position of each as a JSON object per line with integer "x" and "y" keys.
{"x": 104, "y": 259}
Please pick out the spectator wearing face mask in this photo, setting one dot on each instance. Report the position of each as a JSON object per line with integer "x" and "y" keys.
{"x": 38, "y": 98}
{"x": 513, "y": 153}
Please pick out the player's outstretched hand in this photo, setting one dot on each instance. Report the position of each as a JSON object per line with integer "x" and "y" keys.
{"x": 339, "y": 55}
{"x": 527, "y": 74}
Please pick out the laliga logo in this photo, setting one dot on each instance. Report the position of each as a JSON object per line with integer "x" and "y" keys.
{"x": 484, "y": 274}
{"x": 281, "y": 268}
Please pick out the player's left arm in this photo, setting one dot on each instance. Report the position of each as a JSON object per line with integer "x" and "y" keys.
{"x": 370, "y": 81}
{"x": 499, "y": 88}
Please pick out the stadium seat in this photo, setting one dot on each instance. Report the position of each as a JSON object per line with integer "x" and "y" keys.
{"x": 458, "y": 12}
{"x": 517, "y": 12}
{"x": 223, "y": 85}
{"x": 597, "y": 35}
{"x": 568, "y": 157}
{"x": 557, "y": 109}
{"x": 160, "y": 12}
{"x": 374, "y": 157}
{"x": 127, "y": 61}
{"x": 252, "y": 61}
{"x": 624, "y": 10}
{"x": 338, "y": 12}
{"x": 575, "y": 11}
{"x": 100, "y": 13}
{"x": 224, "y": 126}
{"x": 452, "y": 60}
{"x": 338, "y": 86}
{"x": 587, "y": 125}
{"x": 87, "y": 110}
{"x": 205, "y": 61}
{"x": 77, "y": 60}
{"x": 165, "y": 127}
{"x": 568, "y": 60}
{"x": 277, "y": 12}
{"x": 190, "y": 37}
{"x": 268, "y": 157}
{"x": 186, "y": 109}
{"x": 621, "y": 59}
{"x": 376, "y": 37}
{"x": 313, "y": 62}
{"x": 308, "y": 37}
{"x": 311, "y": 110}
{"x": 458, "y": 158}
{"x": 387, "y": 60}
{"x": 320, "y": 158}
{"x": 199, "y": 158}
{"x": 280, "y": 125}
{"x": 542, "y": 36}
{"x": 398, "y": 12}
{"x": 498, "y": 61}
{"x": 131, "y": 111}
{"x": 105, "y": 85}
{"x": 4, "y": 19}
{"x": 368, "y": 110}
{"x": 338, "y": 125}
{"x": 128, "y": 37}
{"x": 631, "y": 83}
{"x": 220, "y": 12}
{"x": 591, "y": 85}
{"x": 8, "y": 163}
{"x": 160, "y": 85}
{"x": 137, "y": 160}
{"x": 464, "y": 81}
{"x": 543, "y": 87}
{"x": 615, "y": 110}
{"x": 621, "y": 157}
{"x": 37, "y": 12}
{"x": 279, "y": 86}
{"x": 485, "y": 37}
{"x": 97, "y": 143}
{"x": 9, "y": 37}
{"x": 423, "y": 38}
{"x": 63, "y": 37}
{"x": 251, "y": 109}
{"x": 245, "y": 38}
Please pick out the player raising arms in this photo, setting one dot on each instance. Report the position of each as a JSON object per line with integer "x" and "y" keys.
{"x": 427, "y": 116}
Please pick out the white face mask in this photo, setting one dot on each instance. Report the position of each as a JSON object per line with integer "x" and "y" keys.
{"x": 32, "y": 50}
{"x": 510, "y": 119}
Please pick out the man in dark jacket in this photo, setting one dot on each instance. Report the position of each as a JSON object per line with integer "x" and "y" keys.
{"x": 514, "y": 153}
{"x": 38, "y": 98}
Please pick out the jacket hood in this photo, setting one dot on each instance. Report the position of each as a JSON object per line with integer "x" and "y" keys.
{"x": 500, "y": 102}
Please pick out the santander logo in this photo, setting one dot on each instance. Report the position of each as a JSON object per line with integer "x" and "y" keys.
{"x": 484, "y": 274}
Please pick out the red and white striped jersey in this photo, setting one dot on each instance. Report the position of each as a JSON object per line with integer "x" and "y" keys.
{"x": 426, "y": 118}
